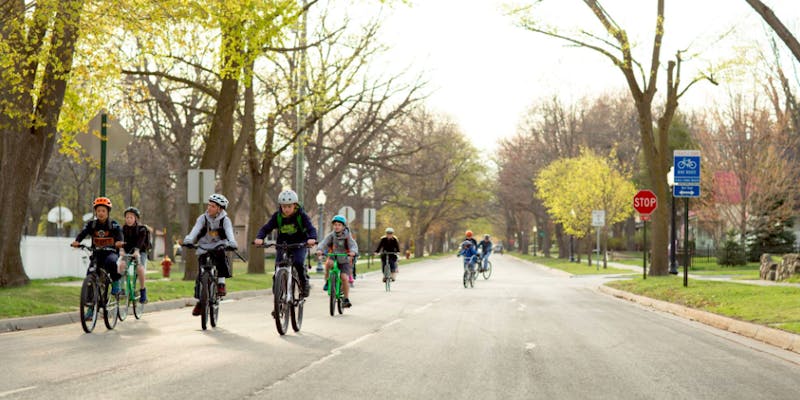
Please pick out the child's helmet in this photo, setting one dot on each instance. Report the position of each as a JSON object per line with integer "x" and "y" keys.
{"x": 468, "y": 233}
{"x": 339, "y": 218}
{"x": 133, "y": 210}
{"x": 219, "y": 199}
{"x": 467, "y": 244}
{"x": 102, "y": 201}
{"x": 288, "y": 197}
{"x": 389, "y": 230}
{"x": 486, "y": 236}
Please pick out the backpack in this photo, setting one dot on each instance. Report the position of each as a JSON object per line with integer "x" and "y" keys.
{"x": 220, "y": 230}
{"x": 148, "y": 242}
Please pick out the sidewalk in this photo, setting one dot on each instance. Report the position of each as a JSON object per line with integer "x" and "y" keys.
{"x": 720, "y": 278}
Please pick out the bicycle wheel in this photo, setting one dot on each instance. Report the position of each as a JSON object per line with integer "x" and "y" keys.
{"x": 296, "y": 309}
{"x": 466, "y": 278}
{"x": 281, "y": 309}
{"x": 487, "y": 272}
{"x": 204, "y": 295}
{"x": 472, "y": 275}
{"x": 89, "y": 296}
{"x": 138, "y": 308}
{"x": 332, "y": 292}
{"x": 213, "y": 304}
{"x": 387, "y": 276}
{"x": 125, "y": 300}
{"x": 111, "y": 305}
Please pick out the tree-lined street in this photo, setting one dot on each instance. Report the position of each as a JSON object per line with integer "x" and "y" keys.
{"x": 527, "y": 332}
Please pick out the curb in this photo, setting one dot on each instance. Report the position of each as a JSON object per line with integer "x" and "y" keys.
{"x": 775, "y": 337}
{"x": 65, "y": 318}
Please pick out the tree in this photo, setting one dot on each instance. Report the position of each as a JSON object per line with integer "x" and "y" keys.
{"x": 572, "y": 188}
{"x": 654, "y": 131}
{"x": 37, "y": 45}
{"x": 775, "y": 23}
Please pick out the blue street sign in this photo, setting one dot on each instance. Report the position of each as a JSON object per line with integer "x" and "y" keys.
{"x": 686, "y": 191}
{"x": 686, "y": 165}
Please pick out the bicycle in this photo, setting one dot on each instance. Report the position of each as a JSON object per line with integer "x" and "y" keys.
{"x": 387, "y": 270}
{"x": 132, "y": 287}
{"x": 487, "y": 270}
{"x": 287, "y": 301}
{"x": 335, "y": 294}
{"x": 209, "y": 298}
{"x": 94, "y": 294}
{"x": 469, "y": 273}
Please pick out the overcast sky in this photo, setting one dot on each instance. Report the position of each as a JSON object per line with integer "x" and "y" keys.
{"x": 485, "y": 72}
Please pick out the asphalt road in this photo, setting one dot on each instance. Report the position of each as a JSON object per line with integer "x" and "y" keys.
{"x": 526, "y": 333}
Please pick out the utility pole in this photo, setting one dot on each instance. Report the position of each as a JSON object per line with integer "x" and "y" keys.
{"x": 300, "y": 80}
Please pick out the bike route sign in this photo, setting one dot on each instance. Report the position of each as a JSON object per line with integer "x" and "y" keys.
{"x": 686, "y": 191}
{"x": 686, "y": 166}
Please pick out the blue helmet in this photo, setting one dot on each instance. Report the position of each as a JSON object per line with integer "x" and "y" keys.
{"x": 339, "y": 218}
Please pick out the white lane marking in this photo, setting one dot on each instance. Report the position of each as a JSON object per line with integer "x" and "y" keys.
{"x": 529, "y": 346}
{"x": 423, "y": 308}
{"x": 521, "y": 307}
{"x": 513, "y": 299}
{"x": 10, "y": 392}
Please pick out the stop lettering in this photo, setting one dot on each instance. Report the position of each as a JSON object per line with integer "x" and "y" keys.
{"x": 645, "y": 202}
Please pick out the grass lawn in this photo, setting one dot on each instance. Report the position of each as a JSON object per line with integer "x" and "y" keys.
{"x": 774, "y": 306}
{"x": 706, "y": 266}
{"x": 48, "y": 296}
{"x": 571, "y": 267}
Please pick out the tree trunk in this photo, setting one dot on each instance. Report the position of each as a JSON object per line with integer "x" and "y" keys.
{"x": 27, "y": 143}
{"x": 780, "y": 29}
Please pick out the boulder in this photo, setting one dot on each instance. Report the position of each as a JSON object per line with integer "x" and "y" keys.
{"x": 768, "y": 267}
{"x": 789, "y": 266}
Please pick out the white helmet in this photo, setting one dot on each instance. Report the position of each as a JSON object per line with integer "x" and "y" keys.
{"x": 219, "y": 199}
{"x": 288, "y": 197}
{"x": 389, "y": 230}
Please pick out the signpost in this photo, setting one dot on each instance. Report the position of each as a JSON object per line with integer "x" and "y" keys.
{"x": 349, "y": 214}
{"x": 599, "y": 221}
{"x": 686, "y": 164}
{"x": 200, "y": 185}
{"x": 645, "y": 202}
{"x": 105, "y": 135}
{"x": 369, "y": 225}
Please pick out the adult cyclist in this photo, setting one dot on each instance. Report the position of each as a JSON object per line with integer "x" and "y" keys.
{"x": 389, "y": 244}
{"x": 485, "y": 246}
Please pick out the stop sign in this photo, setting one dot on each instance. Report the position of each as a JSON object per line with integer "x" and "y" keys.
{"x": 645, "y": 202}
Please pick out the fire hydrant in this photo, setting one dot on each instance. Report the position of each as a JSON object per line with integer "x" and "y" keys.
{"x": 165, "y": 266}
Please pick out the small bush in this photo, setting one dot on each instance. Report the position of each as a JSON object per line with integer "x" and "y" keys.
{"x": 732, "y": 254}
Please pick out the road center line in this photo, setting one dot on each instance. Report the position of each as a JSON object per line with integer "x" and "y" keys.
{"x": 10, "y": 392}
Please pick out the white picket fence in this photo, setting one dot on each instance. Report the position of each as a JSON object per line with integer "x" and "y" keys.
{"x": 51, "y": 257}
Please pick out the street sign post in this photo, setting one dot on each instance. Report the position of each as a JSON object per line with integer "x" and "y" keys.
{"x": 598, "y": 221}
{"x": 349, "y": 214}
{"x": 645, "y": 202}
{"x": 200, "y": 185}
{"x": 686, "y": 166}
{"x": 369, "y": 225}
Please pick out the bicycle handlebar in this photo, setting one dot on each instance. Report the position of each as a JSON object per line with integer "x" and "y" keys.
{"x": 92, "y": 249}
{"x": 284, "y": 246}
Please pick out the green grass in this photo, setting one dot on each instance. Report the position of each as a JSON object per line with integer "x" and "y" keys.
{"x": 47, "y": 296}
{"x": 571, "y": 267}
{"x": 705, "y": 266}
{"x": 774, "y": 306}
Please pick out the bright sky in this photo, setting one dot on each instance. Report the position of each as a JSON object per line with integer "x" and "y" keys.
{"x": 485, "y": 72}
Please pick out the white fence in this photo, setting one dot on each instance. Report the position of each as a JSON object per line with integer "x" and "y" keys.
{"x": 51, "y": 257}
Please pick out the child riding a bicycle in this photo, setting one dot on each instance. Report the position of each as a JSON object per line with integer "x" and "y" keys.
{"x": 389, "y": 244}
{"x": 213, "y": 228}
{"x": 469, "y": 252}
{"x": 294, "y": 226}
{"x": 107, "y": 238}
{"x": 135, "y": 243}
{"x": 485, "y": 246}
{"x": 339, "y": 241}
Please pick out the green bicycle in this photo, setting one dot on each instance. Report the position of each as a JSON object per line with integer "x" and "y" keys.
{"x": 133, "y": 289}
{"x": 335, "y": 283}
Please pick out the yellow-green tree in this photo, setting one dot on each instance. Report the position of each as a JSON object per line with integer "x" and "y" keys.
{"x": 571, "y": 188}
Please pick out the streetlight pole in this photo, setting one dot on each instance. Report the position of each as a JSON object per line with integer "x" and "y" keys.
{"x": 673, "y": 240}
{"x": 321, "y": 203}
{"x": 535, "y": 239}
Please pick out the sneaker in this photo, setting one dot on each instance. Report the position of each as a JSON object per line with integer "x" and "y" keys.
{"x": 89, "y": 314}
{"x": 384, "y": 279}
{"x": 196, "y": 310}
{"x": 325, "y": 287}
{"x": 115, "y": 288}
{"x": 221, "y": 290}
{"x": 143, "y": 296}
{"x": 346, "y": 303}
{"x": 350, "y": 279}
{"x": 306, "y": 290}
{"x": 392, "y": 279}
